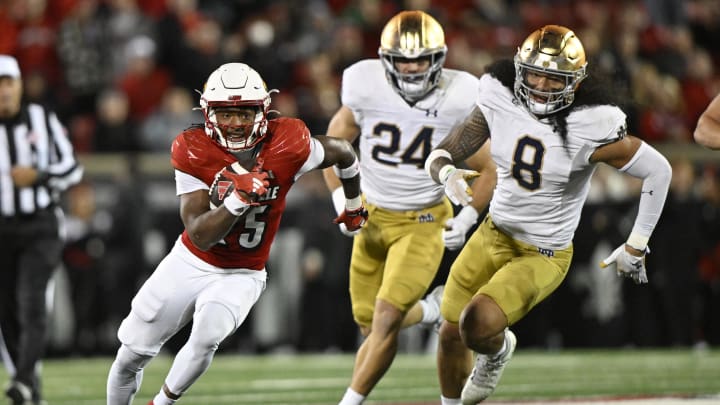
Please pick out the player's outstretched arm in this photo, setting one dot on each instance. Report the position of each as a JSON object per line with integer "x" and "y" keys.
{"x": 707, "y": 132}
{"x": 343, "y": 180}
{"x": 638, "y": 159}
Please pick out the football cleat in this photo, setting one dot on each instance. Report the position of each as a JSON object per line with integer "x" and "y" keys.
{"x": 19, "y": 393}
{"x": 487, "y": 372}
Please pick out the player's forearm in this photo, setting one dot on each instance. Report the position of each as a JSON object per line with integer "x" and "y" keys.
{"x": 210, "y": 228}
{"x": 463, "y": 141}
{"x": 342, "y": 167}
{"x": 649, "y": 165}
{"x": 707, "y": 132}
{"x": 482, "y": 190}
{"x": 205, "y": 226}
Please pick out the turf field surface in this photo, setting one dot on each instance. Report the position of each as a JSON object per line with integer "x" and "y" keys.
{"x": 661, "y": 377}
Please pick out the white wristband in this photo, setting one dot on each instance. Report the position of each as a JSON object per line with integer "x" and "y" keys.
{"x": 348, "y": 172}
{"x": 338, "y": 199}
{"x": 445, "y": 172}
{"x": 353, "y": 203}
{"x": 434, "y": 154}
{"x": 637, "y": 241}
{"x": 235, "y": 204}
{"x": 341, "y": 203}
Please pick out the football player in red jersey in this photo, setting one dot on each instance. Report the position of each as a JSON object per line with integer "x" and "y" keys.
{"x": 232, "y": 176}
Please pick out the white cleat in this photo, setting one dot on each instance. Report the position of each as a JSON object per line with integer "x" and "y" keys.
{"x": 433, "y": 299}
{"x": 487, "y": 372}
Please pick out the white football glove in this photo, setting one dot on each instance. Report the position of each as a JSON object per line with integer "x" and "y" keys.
{"x": 456, "y": 186}
{"x": 456, "y": 228}
{"x": 627, "y": 265}
{"x": 338, "y": 198}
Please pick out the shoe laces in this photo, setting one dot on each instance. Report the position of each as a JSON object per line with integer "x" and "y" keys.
{"x": 487, "y": 369}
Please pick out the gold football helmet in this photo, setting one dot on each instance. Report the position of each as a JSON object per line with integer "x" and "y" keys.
{"x": 551, "y": 50}
{"x": 413, "y": 35}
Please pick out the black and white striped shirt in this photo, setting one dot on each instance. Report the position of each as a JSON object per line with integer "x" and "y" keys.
{"x": 35, "y": 138}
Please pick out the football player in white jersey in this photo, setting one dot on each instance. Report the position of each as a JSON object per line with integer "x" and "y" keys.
{"x": 398, "y": 107}
{"x": 546, "y": 125}
{"x": 707, "y": 132}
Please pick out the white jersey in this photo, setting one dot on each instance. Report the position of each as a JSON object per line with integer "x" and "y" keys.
{"x": 542, "y": 183}
{"x": 396, "y": 138}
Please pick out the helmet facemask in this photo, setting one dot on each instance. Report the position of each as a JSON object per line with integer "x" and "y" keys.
{"x": 235, "y": 85}
{"x": 236, "y": 138}
{"x": 413, "y": 86}
{"x": 552, "y": 51}
{"x": 412, "y": 36}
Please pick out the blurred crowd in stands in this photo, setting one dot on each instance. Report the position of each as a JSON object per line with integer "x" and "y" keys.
{"x": 123, "y": 75}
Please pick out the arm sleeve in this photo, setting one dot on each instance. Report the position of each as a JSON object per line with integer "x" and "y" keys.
{"x": 649, "y": 165}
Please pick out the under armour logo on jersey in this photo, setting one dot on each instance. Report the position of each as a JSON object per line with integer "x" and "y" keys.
{"x": 426, "y": 218}
{"x": 431, "y": 113}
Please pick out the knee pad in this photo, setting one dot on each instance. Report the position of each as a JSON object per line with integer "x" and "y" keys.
{"x": 127, "y": 359}
{"x": 212, "y": 323}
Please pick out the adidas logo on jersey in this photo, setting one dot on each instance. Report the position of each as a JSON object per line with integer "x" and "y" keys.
{"x": 426, "y": 218}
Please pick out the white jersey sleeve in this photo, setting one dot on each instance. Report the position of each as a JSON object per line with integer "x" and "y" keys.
{"x": 396, "y": 137}
{"x": 543, "y": 180}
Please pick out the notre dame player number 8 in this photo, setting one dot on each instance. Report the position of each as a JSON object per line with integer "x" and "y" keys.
{"x": 526, "y": 173}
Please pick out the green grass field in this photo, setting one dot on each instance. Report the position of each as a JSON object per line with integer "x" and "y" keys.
{"x": 321, "y": 379}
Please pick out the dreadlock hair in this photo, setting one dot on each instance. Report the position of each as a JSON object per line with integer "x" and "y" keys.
{"x": 595, "y": 90}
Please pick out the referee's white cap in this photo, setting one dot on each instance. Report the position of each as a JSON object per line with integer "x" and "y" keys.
{"x": 9, "y": 67}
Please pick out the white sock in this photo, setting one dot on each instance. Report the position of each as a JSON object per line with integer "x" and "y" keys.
{"x": 502, "y": 350}
{"x": 352, "y": 398}
{"x": 125, "y": 376}
{"x": 162, "y": 399}
{"x": 431, "y": 312}
{"x": 449, "y": 401}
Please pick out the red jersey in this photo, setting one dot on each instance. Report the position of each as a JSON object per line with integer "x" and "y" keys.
{"x": 284, "y": 151}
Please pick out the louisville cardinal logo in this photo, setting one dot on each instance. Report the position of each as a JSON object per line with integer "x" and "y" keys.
{"x": 223, "y": 187}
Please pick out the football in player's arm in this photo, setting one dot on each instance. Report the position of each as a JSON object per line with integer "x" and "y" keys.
{"x": 547, "y": 125}
{"x": 707, "y": 132}
{"x": 232, "y": 175}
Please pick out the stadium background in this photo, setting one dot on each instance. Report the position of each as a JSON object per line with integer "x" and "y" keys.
{"x": 122, "y": 75}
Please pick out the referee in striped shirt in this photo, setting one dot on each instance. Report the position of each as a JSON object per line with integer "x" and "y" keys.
{"x": 37, "y": 162}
